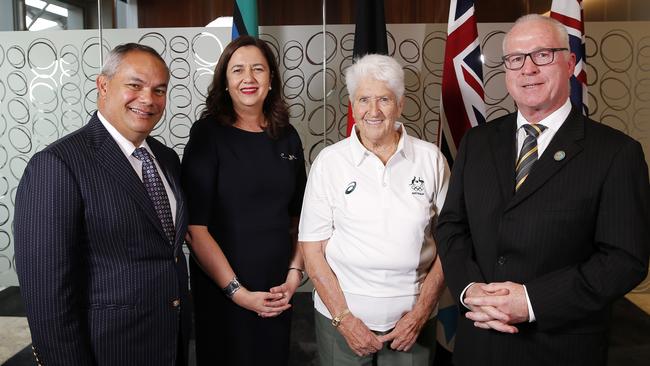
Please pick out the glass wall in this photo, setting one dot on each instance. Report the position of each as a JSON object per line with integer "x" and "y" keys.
{"x": 47, "y": 74}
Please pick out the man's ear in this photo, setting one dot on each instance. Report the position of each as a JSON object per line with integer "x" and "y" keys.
{"x": 101, "y": 83}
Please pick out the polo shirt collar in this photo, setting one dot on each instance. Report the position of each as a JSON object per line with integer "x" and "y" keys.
{"x": 359, "y": 152}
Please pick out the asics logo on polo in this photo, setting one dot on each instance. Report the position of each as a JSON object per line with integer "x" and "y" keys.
{"x": 351, "y": 187}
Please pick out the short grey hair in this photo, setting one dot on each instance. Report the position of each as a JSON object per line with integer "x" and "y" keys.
{"x": 379, "y": 67}
{"x": 560, "y": 30}
{"x": 114, "y": 58}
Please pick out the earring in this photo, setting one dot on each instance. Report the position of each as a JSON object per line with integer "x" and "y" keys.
{"x": 270, "y": 87}
{"x": 226, "y": 89}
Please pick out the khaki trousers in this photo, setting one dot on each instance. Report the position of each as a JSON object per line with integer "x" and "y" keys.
{"x": 333, "y": 350}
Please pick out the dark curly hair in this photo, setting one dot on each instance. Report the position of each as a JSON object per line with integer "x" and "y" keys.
{"x": 218, "y": 104}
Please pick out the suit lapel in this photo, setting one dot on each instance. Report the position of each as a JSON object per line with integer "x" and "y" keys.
{"x": 566, "y": 140}
{"x": 109, "y": 156}
{"x": 503, "y": 146}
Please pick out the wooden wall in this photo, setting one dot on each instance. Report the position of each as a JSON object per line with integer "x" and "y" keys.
{"x": 197, "y": 13}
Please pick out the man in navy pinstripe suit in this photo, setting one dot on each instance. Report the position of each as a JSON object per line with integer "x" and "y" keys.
{"x": 102, "y": 281}
{"x": 536, "y": 251}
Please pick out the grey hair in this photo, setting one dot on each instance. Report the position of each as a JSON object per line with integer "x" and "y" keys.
{"x": 560, "y": 30}
{"x": 379, "y": 67}
{"x": 114, "y": 58}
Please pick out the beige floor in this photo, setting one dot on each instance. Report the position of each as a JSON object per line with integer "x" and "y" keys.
{"x": 14, "y": 336}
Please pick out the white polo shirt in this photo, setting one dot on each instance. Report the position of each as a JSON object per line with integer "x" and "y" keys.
{"x": 375, "y": 217}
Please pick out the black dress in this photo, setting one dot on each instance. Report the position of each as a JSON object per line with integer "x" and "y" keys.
{"x": 245, "y": 187}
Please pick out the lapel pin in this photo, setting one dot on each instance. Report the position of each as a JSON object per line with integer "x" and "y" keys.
{"x": 559, "y": 155}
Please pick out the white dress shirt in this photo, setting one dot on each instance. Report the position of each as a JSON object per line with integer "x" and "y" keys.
{"x": 128, "y": 148}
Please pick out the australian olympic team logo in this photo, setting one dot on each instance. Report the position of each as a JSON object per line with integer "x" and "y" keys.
{"x": 417, "y": 186}
{"x": 351, "y": 187}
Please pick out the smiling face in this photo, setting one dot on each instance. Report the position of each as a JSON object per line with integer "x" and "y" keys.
{"x": 133, "y": 99}
{"x": 538, "y": 90}
{"x": 248, "y": 78}
{"x": 375, "y": 109}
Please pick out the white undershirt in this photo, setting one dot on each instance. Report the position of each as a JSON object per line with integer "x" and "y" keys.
{"x": 128, "y": 148}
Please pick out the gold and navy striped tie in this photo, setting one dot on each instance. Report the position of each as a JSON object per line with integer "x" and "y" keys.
{"x": 528, "y": 154}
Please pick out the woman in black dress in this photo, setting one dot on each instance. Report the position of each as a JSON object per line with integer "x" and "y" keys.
{"x": 244, "y": 177}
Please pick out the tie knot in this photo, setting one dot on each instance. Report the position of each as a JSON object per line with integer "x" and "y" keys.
{"x": 534, "y": 129}
{"x": 141, "y": 154}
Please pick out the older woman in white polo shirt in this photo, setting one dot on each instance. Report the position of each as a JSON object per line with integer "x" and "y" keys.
{"x": 366, "y": 210}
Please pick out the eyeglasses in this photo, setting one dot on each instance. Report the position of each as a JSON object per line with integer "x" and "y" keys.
{"x": 383, "y": 101}
{"x": 541, "y": 57}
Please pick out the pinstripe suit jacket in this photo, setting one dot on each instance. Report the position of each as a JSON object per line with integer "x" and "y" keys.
{"x": 100, "y": 281}
{"x": 576, "y": 234}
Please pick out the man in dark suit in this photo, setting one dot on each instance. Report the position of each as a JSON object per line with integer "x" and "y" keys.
{"x": 99, "y": 227}
{"x": 546, "y": 220}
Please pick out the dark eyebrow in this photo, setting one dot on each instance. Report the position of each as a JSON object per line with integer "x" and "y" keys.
{"x": 253, "y": 65}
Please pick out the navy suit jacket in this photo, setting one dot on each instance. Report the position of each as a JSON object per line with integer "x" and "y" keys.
{"x": 576, "y": 234}
{"x": 101, "y": 283}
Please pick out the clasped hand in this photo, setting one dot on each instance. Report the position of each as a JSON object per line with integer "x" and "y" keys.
{"x": 497, "y": 305}
{"x": 362, "y": 341}
{"x": 268, "y": 304}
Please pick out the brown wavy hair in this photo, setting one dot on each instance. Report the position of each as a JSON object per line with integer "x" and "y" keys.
{"x": 218, "y": 104}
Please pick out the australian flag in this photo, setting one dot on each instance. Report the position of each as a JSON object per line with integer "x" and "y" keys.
{"x": 570, "y": 13}
{"x": 462, "y": 76}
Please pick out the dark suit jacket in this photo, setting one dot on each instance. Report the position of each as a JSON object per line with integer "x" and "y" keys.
{"x": 101, "y": 283}
{"x": 576, "y": 234}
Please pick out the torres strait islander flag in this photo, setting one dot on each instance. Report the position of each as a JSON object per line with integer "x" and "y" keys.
{"x": 462, "y": 76}
{"x": 570, "y": 13}
{"x": 244, "y": 19}
{"x": 369, "y": 36}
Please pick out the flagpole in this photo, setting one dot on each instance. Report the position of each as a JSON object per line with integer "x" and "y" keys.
{"x": 100, "y": 27}
{"x": 324, "y": 77}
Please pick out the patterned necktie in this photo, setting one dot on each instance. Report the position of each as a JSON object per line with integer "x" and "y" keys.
{"x": 156, "y": 190}
{"x": 528, "y": 154}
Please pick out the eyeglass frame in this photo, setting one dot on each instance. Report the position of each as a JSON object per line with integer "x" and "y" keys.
{"x": 530, "y": 55}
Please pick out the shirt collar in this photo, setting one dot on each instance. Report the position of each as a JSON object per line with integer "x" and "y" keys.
{"x": 359, "y": 152}
{"x": 553, "y": 121}
{"x": 125, "y": 145}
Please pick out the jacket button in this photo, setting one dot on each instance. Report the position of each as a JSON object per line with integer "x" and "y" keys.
{"x": 176, "y": 303}
{"x": 501, "y": 260}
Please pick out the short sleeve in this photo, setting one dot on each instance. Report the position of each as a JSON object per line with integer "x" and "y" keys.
{"x": 316, "y": 218}
{"x": 442, "y": 182}
{"x": 199, "y": 172}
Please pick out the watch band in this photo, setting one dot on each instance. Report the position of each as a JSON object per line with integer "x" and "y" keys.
{"x": 302, "y": 272}
{"x": 232, "y": 287}
{"x": 336, "y": 321}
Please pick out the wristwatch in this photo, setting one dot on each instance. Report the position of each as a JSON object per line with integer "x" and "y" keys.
{"x": 232, "y": 287}
{"x": 336, "y": 321}
{"x": 302, "y": 272}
